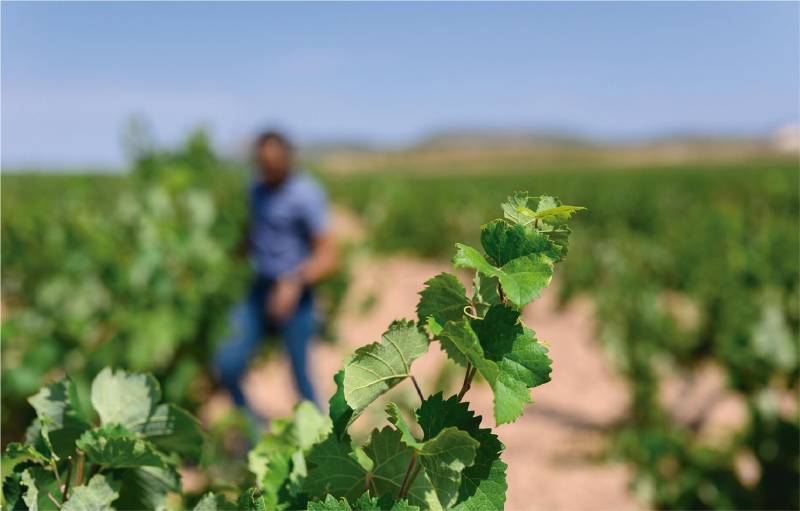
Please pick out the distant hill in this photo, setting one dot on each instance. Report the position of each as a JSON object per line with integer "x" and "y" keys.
{"x": 450, "y": 139}
{"x": 513, "y": 151}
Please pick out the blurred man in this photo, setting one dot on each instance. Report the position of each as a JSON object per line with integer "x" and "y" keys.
{"x": 291, "y": 248}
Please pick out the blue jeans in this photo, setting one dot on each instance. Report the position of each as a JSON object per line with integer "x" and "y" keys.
{"x": 249, "y": 325}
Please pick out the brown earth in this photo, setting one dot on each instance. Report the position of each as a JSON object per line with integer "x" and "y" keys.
{"x": 552, "y": 450}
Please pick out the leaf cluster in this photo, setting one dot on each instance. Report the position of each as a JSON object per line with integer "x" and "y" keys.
{"x": 122, "y": 453}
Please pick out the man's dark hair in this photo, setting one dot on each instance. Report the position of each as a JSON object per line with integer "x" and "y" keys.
{"x": 273, "y": 136}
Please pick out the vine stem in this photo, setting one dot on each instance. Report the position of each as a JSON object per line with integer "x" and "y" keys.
{"x": 416, "y": 386}
{"x": 53, "y": 500}
{"x": 58, "y": 477}
{"x": 79, "y": 469}
{"x": 67, "y": 480}
{"x": 467, "y": 380}
{"x": 403, "y": 488}
{"x": 411, "y": 481}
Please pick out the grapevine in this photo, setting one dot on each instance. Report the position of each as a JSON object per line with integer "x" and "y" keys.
{"x": 311, "y": 461}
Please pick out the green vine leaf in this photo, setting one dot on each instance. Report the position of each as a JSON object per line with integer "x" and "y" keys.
{"x": 544, "y": 214}
{"x": 518, "y": 208}
{"x": 95, "y": 496}
{"x": 375, "y": 368}
{"x": 442, "y": 300}
{"x": 252, "y": 500}
{"x": 522, "y": 279}
{"x": 340, "y": 412}
{"x": 57, "y": 404}
{"x": 131, "y": 400}
{"x": 35, "y": 483}
{"x": 278, "y": 460}
{"x": 124, "y": 398}
{"x": 364, "y": 503}
{"x": 147, "y": 487}
{"x": 463, "y": 338}
{"x": 336, "y": 468}
{"x": 484, "y": 293}
{"x": 444, "y": 456}
{"x": 483, "y": 485}
{"x": 171, "y": 428}
{"x": 59, "y": 419}
{"x": 506, "y": 354}
{"x": 214, "y": 502}
{"x": 504, "y": 242}
{"x": 515, "y": 208}
{"x": 115, "y": 446}
{"x": 557, "y": 214}
{"x": 520, "y": 357}
{"x": 31, "y": 494}
{"x": 17, "y": 453}
{"x": 330, "y": 503}
{"x": 333, "y": 467}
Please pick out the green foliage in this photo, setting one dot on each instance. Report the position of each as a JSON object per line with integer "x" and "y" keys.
{"x": 131, "y": 271}
{"x": 130, "y": 465}
{"x": 278, "y": 460}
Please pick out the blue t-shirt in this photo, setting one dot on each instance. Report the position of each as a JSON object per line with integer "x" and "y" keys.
{"x": 284, "y": 219}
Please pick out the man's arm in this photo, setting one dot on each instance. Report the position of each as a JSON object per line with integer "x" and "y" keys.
{"x": 321, "y": 263}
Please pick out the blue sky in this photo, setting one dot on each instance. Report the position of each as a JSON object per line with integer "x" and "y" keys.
{"x": 72, "y": 73}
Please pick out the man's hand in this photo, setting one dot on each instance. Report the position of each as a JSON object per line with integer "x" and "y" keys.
{"x": 284, "y": 298}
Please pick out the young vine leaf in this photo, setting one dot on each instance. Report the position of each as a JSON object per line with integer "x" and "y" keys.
{"x": 543, "y": 214}
{"x": 377, "y": 367}
{"x": 483, "y": 485}
{"x": 278, "y": 460}
{"x": 114, "y": 445}
{"x": 442, "y": 300}
{"x": 522, "y": 361}
{"x": 522, "y": 278}
{"x": 340, "y": 412}
{"x": 95, "y": 496}
{"x": 364, "y": 503}
{"x": 443, "y": 457}
{"x": 504, "y": 242}
{"x": 336, "y": 468}
{"x": 124, "y": 398}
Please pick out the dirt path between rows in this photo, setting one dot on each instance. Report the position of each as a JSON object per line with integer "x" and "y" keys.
{"x": 551, "y": 451}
